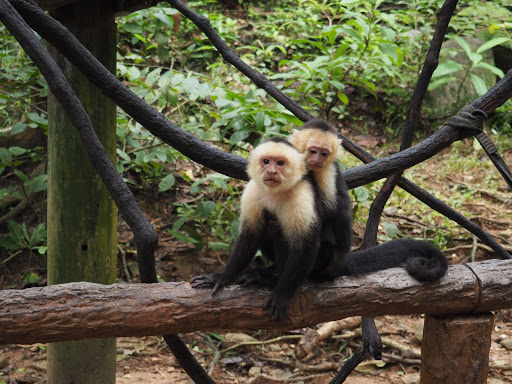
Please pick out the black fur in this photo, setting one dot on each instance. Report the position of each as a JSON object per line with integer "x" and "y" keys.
{"x": 319, "y": 124}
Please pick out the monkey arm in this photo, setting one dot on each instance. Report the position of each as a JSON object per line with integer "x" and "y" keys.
{"x": 244, "y": 250}
{"x": 292, "y": 273}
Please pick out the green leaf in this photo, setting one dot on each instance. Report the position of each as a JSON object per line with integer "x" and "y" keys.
{"x": 39, "y": 235}
{"x": 498, "y": 72}
{"x": 21, "y": 175}
{"x": 464, "y": 44}
{"x": 16, "y": 232}
{"x": 32, "y": 116}
{"x": 162, "y": 39}
{"x": 132, "y": 27}
{"x": 166, "y": 183}
{"x": 492, "y": 43}
{"x": 140, "y": 37}
{"x": 190, "y": 84}
{"x": 164, "y": 19}
{"x": 443, "y": 80}
{"x": 219, "y": 183}
{"x": 18, "y": 128}
{"x": 16, "y": 151}
{"x": 446, "y": 68}
{"x": 5, "y": 156}
{"x": 133, "y": 73}
{"x": 153, "y": 76}
{"x": 389, "y": 50}
{"x": 39, "y": 183}
{"x": 219, "y": 246}
{"x": 123, "y": 155}
{"x": 193, "y": 233}
{"x": 390, "y": 229}
{"x": 343, "y": 98}
{"x": 338, "y": 85}
{"x": 30, "y": 278}
{"x": 362, "y": 194}
{"x": 238, "y": 136}
{"x": 182, "y": 237}
{"x": 205, "y": 208}
{"x": 178, "y": 223}
{"x": 479, "y": 84}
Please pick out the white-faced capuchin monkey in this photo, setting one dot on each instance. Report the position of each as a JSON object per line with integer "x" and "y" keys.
{"x": 320, "y": 143}
{"x": 279, "y": 216}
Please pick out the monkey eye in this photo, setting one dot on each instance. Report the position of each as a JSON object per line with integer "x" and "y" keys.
{"x": 312, "y": 151}
{"x": 324, "y": 154}
{"x": 280, "y": 162}
{"x": 266, "y": 161}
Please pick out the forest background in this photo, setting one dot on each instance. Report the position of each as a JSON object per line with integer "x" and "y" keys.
{"x": 353, "y": 62}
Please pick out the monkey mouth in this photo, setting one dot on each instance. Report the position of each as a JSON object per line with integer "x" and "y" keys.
{"x": 270, "y": 182}
{"x": 314, "y": 166}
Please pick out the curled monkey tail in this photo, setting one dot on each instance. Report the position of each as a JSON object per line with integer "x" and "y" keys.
{"x": 423, "y": 261}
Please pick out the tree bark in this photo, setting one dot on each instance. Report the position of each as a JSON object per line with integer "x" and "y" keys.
{"x": 85, "y": 310}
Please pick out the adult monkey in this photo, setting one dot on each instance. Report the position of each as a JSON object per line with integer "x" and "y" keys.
{"x": 321, "y": 144}
{"x": 287, "y": 217}
{"x": 279, "y": 216}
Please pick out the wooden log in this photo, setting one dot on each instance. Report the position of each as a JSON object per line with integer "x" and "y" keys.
{"x": 84, "y": 310}
{"x": 455, "y": 349}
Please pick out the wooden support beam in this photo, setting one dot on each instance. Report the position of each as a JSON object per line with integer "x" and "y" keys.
{"x": 84, "y": 310}
{"x": 455, "y": 349}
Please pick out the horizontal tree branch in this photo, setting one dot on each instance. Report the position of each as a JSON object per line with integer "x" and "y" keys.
{"x": 85, "y": 310}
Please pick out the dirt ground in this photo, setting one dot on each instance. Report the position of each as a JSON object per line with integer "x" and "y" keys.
{"x": 271, "y": 357}
{"x": 148, "y": 360}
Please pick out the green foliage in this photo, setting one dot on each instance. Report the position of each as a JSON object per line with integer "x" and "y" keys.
{"x": 211, "y": 221}
{"x": 21, "y": 85}
{"x": 444, "y": 73}
{"x": 18, "y": 239}
{"x": 330, "y": 56}
{"x": 14, "y": 158}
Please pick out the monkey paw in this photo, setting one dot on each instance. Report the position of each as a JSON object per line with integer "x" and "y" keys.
{"x": 260, "y": 277}
{"x": 278, "y": 309}
{"x": 205, "y": 281}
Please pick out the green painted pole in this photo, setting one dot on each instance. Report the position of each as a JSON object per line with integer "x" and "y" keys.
{"x": 82, "y": 218}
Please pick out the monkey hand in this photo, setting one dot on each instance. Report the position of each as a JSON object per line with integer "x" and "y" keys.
{"x": 205, "y": 281}
{"x": 215, "y": 281}
{"x": 260, "y": 277}
{"x": 277, "y": 308}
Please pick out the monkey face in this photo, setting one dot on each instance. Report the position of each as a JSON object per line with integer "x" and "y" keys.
{"x": 317, "y": 156}
{"x": 276, "y": 166}
{"x": 273, "y": 170}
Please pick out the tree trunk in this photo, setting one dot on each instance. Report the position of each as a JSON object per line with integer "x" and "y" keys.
{"x": 81, "y": 215}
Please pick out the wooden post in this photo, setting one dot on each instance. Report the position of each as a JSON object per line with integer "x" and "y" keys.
{"x": 455, "y": 349}
{"x": 81, "y": 215}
